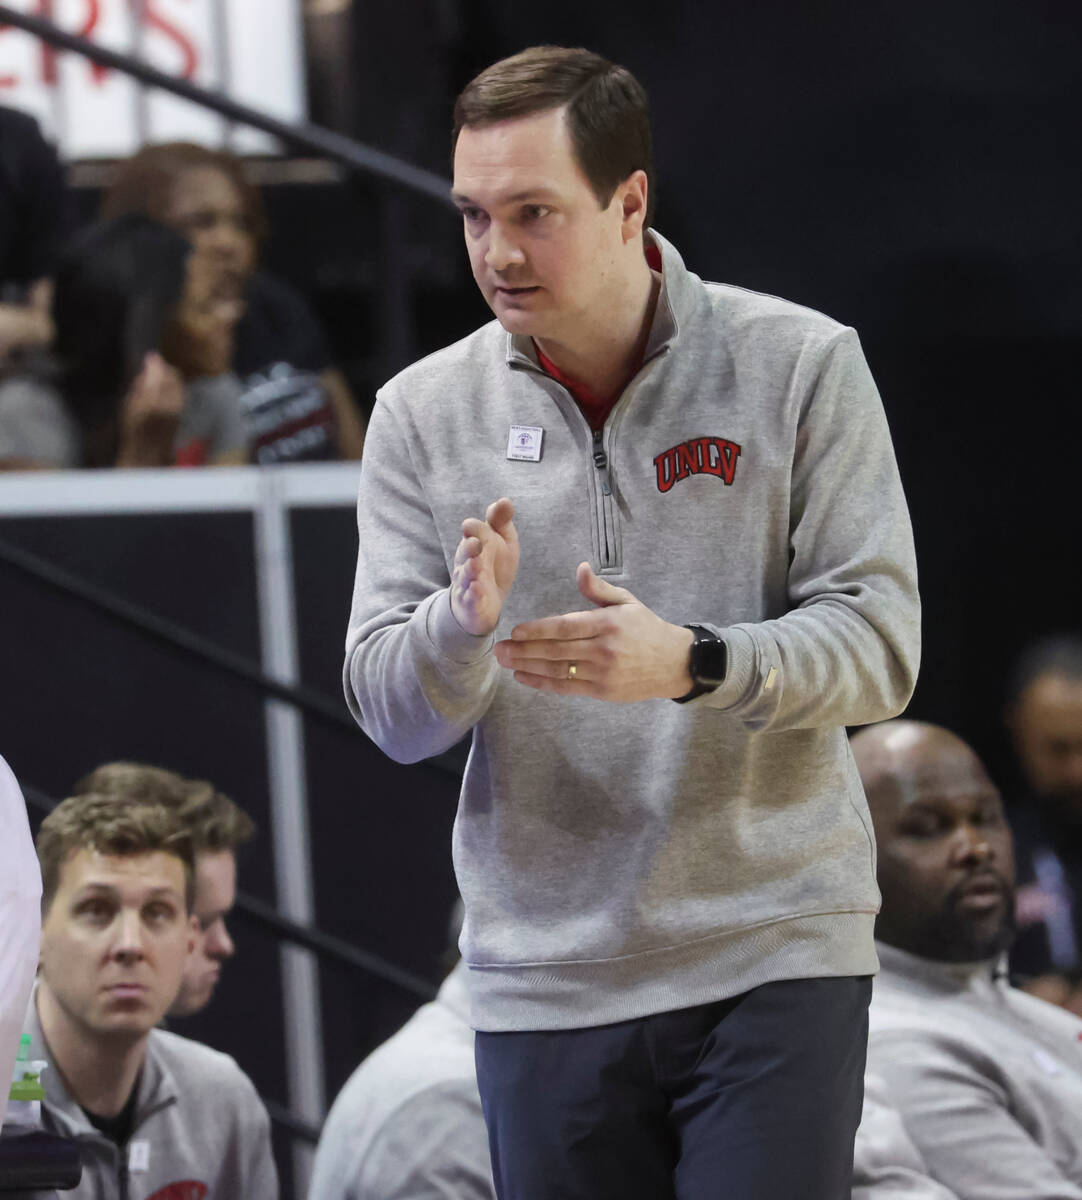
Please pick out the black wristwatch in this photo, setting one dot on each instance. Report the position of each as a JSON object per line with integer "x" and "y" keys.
{"x": 707, "y": 662}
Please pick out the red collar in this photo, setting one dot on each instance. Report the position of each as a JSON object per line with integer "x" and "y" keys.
{"x": 594, "y": 407}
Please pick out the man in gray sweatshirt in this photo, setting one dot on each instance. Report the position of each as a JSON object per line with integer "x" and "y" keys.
{"x": 156, "y": 1116}
{"x": 694, "y": 569}
{"x": 988, "y": 1079}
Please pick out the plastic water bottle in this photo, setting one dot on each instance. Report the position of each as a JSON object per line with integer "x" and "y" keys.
{"x": 26, "y": 1095}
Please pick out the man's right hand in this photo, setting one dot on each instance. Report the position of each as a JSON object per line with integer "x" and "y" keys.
{"x": 485, "y": 564}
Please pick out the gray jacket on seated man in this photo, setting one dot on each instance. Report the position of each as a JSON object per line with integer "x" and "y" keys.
{"x": 988, "y": 1080}
{"x": 408, "y": 1123}
{"x": 886, "y": 1164}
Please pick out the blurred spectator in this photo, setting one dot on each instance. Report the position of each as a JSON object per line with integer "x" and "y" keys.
{"x": 296, "y": 404}
{"x": 1044, "y": 716}
{"x": 130, "y": 298}
{"x": 154, "y": 1114}
{"x": 216, "y": 827}
{"x": 988, "y": 1079}
{"x": 34, "y": 218}
{"x": 20, "y": 921}
{"x": 408, "y": 1124}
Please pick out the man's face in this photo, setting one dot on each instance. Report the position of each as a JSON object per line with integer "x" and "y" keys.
{"x": 215, "y": 893}
{"x": 115, "y": 940}
{"x": 541, "y": 247}
{"x": 946, "y": 859}
{"x": 1047, "y": 728}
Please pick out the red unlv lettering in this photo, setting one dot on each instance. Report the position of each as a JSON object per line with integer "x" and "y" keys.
{"x": 697, "y": 456}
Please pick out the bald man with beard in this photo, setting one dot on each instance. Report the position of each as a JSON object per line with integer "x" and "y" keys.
{"x": 988, "y": 1080}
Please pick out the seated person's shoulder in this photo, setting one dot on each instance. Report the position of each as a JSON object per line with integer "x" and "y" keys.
{"x": 204, "y": 1069}
{"x": 913, "y": 1056}
{"x": 35, "y": 425}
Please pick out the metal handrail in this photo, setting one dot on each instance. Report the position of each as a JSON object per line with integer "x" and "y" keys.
{"x": 311, "y": 138}
{"x": 309, "y": 700}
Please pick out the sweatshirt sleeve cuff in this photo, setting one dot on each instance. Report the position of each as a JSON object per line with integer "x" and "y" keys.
{"x": 740, "y": 670}
{"x": 448, "y": 638}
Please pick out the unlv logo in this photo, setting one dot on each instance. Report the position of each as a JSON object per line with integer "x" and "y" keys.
{"x": 699, "y": 456}
{"x": 189, "y": 1189}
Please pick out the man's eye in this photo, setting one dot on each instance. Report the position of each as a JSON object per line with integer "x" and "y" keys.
{"x": 534, "y": 212}
{"x": 95, "y": 910}
{"x": 159, "y": 913}
{"x": 926, "y": 827}
{"x": 473, "y": 215}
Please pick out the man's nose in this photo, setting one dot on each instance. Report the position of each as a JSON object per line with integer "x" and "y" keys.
{"x": 217, "y": 943}
{"x": 503, "y": 251}
{"x": 971, "y": 845}
{"x": 129, "y": 937}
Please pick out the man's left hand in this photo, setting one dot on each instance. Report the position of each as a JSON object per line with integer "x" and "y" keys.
{"x": 620, "y": 651}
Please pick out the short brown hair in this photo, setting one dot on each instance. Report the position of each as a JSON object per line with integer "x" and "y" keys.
{"x": 211, "y": 819}
{"x": 608, "y": 114}
{"x": 144, "y": 183}
{"x": 110, "y": 825}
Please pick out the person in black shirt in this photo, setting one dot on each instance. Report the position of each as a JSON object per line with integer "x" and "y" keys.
{"x": 34, "y": 216}
{"x": 297, "y": 406}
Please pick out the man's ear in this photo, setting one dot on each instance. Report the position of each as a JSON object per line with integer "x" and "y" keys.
{"x": 633, "y": 197}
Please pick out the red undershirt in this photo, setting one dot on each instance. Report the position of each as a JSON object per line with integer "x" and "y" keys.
{"x": 595, "y": 408}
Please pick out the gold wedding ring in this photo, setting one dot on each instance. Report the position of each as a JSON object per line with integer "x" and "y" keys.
{"x": 572, "y": 670}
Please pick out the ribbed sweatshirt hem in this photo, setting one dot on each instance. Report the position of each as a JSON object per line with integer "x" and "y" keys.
{"x": 574, "y": 995}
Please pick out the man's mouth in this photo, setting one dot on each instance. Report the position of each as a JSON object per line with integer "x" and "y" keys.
{"x": 516, "y": 291}
{"x": 127, "y": 991}
{"x": 982, "y": 892}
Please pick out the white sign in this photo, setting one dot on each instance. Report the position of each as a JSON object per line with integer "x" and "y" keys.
{"x": 249, "y": 49}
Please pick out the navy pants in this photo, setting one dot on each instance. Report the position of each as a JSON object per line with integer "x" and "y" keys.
{"x": 753, "y": 1098}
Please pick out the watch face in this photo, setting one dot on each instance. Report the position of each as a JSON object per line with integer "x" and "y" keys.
{"x": 708, "y": 659}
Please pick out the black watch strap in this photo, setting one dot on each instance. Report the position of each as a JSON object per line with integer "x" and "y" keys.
{"x": 707, "y": 663}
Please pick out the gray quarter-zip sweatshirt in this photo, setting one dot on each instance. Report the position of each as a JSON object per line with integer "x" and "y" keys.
{"x": 617, "y": 860}
{"x": 200, "y": 1133}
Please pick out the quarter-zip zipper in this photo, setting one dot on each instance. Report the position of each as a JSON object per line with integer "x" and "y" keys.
{"x": 601, "y": 461}
{"x": 606, "y": 526}
{"x": 604, "y": 512}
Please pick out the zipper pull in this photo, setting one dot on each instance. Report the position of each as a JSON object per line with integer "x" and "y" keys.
{"x": 601, "y": 461}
